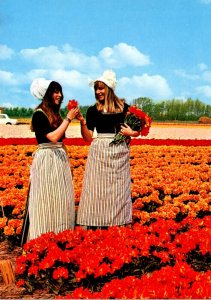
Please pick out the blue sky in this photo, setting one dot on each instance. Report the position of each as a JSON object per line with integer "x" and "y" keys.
{"x": 159, "y": 49}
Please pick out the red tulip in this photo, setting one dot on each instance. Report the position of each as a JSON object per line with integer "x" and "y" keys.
{"x": 72, "y": 104}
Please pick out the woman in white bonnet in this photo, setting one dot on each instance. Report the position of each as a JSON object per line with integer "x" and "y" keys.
{"x": 106, "y": 193}
{"x": 51, "y": 203}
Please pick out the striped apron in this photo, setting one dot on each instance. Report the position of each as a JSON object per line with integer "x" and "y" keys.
{"x": 51, "y": 195}
{"x": 106, "y": 192}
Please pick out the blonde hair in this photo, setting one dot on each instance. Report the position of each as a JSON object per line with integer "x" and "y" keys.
{"x": 111, "y": 103}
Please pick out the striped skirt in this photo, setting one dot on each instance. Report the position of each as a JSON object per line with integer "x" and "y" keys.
{"x": 106, "y": 192}
{"x": 51, "y": 195}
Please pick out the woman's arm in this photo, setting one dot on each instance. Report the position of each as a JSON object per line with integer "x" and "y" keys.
{"x": 57, "y": 134}
{"x": 127, "y": 131}
{"x": 85, "y": 132}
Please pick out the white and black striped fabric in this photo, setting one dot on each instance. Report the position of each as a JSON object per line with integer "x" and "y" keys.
{"x": 51, "y": 195}
{"x": 106, "y": 192}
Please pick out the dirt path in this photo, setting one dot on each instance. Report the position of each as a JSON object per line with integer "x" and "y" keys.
{"x": 157, "y": 131}
{"x": 6, "y": 253}
{"x": 11, "y": 291}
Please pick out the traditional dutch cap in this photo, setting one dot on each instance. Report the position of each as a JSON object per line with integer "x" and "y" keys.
{"x": 108, "y": 77}
{"x": 39, "y": 87}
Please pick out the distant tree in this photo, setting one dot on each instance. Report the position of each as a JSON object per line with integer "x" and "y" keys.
{"x": 159, "y": 112}
{"x": 181, "y": 110}
{"x": 207, "y": 111}
{"x": 165, "y": 110}
{"x": 146, "y": 104}
{"x": 18, "y": 112}
{"x": 83, "y": 110}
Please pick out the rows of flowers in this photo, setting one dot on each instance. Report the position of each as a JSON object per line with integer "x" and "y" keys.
{"x": 167, "y": 181}
{"x": 166, "y": 259}
{"x": 165, "y": 253}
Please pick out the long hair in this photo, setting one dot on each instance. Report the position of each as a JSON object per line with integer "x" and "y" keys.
{"x": 51, "y": 110}
{"x": 111, "y": 103}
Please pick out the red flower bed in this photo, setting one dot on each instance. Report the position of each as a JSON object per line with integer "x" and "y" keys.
{"x": 81, "y": 142}
{"x": 165, "y": 259}
{"x": 32, "y": 141}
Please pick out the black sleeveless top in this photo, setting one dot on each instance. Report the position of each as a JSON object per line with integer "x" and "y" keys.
{"x": 105, "y": 122}
{"x": 41, "y": 126}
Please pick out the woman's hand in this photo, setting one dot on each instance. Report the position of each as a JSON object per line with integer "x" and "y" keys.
{"x": 56, "y": 135}
{"x": 72, "y": 113}
{"x": 128, "y": 131}
{"x": 85, "y": 132}
{"x": 81, "y": 118}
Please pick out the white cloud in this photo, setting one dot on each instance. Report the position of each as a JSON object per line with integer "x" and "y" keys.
{"x": 7, "y": 104}
{"x": 72, "y": 78}
{"x": 155, "y": 87}
{"x": 7, "y": 77}
{"x": 35, "y": 73}
{"x": 183, "y": 96}
{"x": 5, "y": 52}
{"x": 122, "y": 55}
{"x": 207, "y": 75}
{"x": 204, "y": 90}
{"x": 184, "y": 74}
{"x": 206, "y": 1}
{"x": 55, "y": 58}
{"x": 65, "y": 58}
{"x": 74, "y": 69}
{"x": 202, "y": 67}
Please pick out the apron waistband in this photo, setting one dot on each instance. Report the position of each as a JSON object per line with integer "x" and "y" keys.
{"x": 105, "y": 135}
{"x": 50, "y": 145}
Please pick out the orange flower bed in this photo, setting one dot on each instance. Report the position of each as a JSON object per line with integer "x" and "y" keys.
{"x": 170, "y": 182}
{"x": 164, "y": 254}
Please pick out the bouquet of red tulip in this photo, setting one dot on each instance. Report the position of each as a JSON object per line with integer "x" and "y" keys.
{"x": 138, "y": 120}
{"x": 72, "y": 104}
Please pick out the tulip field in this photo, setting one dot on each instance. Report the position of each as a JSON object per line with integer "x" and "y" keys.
{"x": 165, "y": 253}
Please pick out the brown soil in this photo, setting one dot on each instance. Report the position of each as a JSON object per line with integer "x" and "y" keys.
{"x": 6, "y": 253}
{"x": 11, "y": 291}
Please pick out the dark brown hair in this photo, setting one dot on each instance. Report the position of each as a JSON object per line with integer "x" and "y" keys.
{"x": 51, "y": 109}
